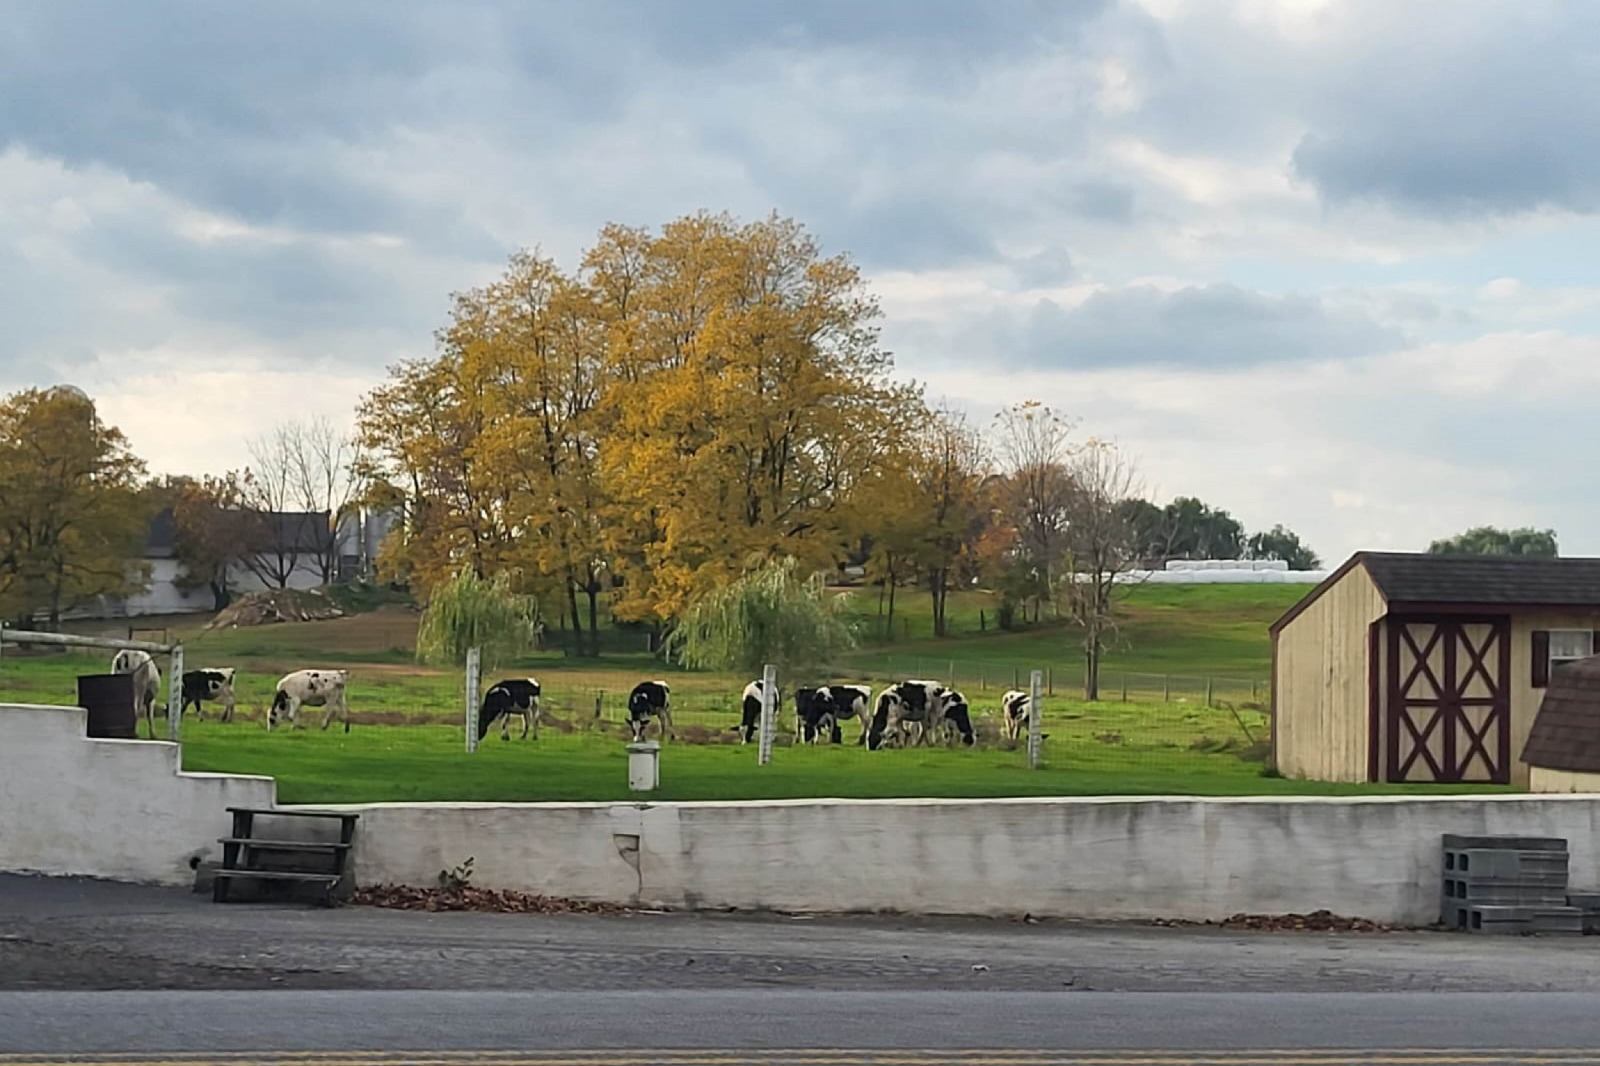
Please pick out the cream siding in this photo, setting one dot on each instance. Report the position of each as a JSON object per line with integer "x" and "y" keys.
{"x": 1320, "y": 689}
{"x": 1542, "y": 780}
{"x": 1525, "y": 698}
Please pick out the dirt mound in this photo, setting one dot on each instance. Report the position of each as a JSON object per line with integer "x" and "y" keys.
{"x": 1316, "y": 921}
{"x": 268, "y": 606}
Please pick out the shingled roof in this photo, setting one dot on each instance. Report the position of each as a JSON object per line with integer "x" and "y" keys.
{"x": 1499, "y": 579}
{"x": 1566, "y": 731}
{"x": 1409, "y": 579}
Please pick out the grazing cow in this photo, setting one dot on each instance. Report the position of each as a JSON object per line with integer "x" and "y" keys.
{"x": 958, "y": 718}
{"x": 310, "y": 688}
{"x": 750, "y": 716}
{"x": 146, "y": 682}
{"x": 213, "y": 684}
{"x": 814, "y": 714}
{"x": 1014, "y": 706}
{"x": 514, "y": 696}
{"x": 833, "y": 704}
{"x": 649, "y": 699}
{"x": 906, "y": 711}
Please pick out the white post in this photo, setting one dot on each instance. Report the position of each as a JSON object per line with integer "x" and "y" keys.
{"x": 769, "y": 706}
{"x": 1035, "y": 717}
{"x": 472, "y": 699}
{"x": 174, "y": 692}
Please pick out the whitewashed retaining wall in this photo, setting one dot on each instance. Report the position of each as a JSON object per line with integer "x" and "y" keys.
{"x": 1088, "y": 858}
{"x": 118, "y": 809}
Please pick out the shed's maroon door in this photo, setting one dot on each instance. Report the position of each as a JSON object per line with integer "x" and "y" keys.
{"x": 1449, "y": 699}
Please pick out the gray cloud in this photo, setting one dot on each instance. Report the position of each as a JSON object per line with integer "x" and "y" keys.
{"x": 1203, "y": 327}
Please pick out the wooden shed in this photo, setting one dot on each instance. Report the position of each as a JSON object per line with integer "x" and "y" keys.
{"x": 1416, "y": 667}
{"x": 1563, "y": 749}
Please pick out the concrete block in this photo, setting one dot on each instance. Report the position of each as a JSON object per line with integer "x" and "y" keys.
{"x": 1460, "y": 842}
{"x": 1504, "y": 921}
{"x": 1556, "y": 921}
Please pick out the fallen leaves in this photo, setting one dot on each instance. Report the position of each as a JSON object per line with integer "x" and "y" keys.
{"x": 502, "y": 901}
{"x": 1321, "y": 921}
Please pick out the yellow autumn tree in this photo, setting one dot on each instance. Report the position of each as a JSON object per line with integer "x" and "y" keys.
{"x": 747, "y": 390}
{"x": 72, "y": 516}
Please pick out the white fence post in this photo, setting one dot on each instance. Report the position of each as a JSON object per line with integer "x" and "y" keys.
{"x": 769, "y": 704}
{"x": 174, "y": 692}
{"x": 472, "y": 699}
{"x": 1035, "y": 718}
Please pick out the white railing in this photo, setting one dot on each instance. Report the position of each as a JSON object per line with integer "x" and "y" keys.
{"x": 174, "y": 652}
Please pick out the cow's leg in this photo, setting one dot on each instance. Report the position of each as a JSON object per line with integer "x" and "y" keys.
{"x": 227, "y": 706}
{"x": 505, "y": 725}
{"x": 536, "y": 714}
{"x": 666, "y": 723}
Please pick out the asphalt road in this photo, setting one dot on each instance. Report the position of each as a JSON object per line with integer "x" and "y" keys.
{"x": 724, "y": 1026}
{"x": 89, "y": 968}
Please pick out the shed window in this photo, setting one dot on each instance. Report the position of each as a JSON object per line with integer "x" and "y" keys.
{"x": 1569, "y": 644}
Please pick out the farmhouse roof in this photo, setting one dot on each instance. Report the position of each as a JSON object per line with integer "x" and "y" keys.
{"x": 1566, "y": 730}
{"x": 289, "y": 532}
{"x": 1410, "y": 580}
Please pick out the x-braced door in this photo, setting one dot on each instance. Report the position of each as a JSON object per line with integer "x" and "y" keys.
{"x": 1449, "y": 699}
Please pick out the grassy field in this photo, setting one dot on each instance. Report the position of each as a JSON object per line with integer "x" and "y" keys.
{"x": 407, "y": 740}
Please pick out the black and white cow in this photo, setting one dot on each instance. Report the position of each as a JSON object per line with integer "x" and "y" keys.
{"x": 310, "y": 688}
{"x": 750, "y": 710}
{"x": 830, "y": 706}
{"x": 146, "y": 682}
{"x": 513, "y": 696}
{"x": 1014, "y": 711}
{"x": 907, "y": 712}
{"x": 650, "y": 699}
{"x": 958, "y": 718}
{"x": 208, "y": 684}
{"x": 815, "y": 714}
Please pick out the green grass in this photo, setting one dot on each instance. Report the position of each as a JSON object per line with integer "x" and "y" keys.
{"x": 428, "y": 763}
{"x": 407, "y": 742}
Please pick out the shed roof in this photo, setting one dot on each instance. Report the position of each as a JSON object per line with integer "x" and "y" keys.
{"x": 1421, "y": 579}
{"x": 1566, "y": 731}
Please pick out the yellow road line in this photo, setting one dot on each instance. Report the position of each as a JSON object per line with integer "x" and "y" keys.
{"x": 832, "y": 1057}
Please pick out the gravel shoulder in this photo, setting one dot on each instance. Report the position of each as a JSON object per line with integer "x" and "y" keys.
{"x": 75, "y": 934}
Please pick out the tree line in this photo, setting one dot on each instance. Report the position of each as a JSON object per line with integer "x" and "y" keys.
{"x": 684, "y": 407}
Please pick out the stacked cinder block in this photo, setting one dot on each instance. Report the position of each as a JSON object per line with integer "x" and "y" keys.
{"x": 1507, "y": 885}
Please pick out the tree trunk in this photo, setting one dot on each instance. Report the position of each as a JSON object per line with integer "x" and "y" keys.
{"x": 577, "y": 622}
{"x": 888, "y": 625}
{"x": 1091, "y": 667}
{"x": 219, "y": 595}
{"x": 936, "y": 582}
{"x": 592, "y": 590}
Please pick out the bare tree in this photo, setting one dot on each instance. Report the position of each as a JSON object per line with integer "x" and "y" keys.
{"x": 1101, "y": 547}
{"x": 1034, "y": 446}
{"x": 304, "y": 479}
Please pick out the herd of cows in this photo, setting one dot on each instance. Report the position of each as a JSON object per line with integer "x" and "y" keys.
{"x": 906, "y": 713}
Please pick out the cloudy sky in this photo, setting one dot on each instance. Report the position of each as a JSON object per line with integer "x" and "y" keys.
{"x": 1320, "y": 262}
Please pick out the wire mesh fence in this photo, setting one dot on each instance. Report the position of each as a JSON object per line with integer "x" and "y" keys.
{"x": 1066, "y": 682}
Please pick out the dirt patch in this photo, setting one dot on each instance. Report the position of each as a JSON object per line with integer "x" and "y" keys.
{"x": 503, "y": 901}
{"x": 270, "y": 606}
{"x": 1315, "y": 922}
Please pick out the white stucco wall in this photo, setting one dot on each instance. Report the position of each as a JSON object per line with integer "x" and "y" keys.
{"x": 118, "y": 809}
{"x": 1087, "y": 858}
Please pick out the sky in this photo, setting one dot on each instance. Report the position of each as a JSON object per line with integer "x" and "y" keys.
{"x": 1320, "y": 262}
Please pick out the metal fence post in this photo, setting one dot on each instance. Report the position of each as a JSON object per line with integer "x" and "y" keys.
{"x": 472, "y": 699}
{"x": 175, "y": 692}
{"x": 1035, "y": 716}
{"x": 769, "y": 704}
{"x": 1124, "y": 686}
{"x": 1208, "y": 692}
{"x": 1050, "y": 680}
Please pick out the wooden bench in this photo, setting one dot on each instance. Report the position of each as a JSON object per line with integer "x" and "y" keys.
{"x": 242, "y": 852}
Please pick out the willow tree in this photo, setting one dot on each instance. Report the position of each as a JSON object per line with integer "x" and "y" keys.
{"x": 468, "y": 611}
{"x": 769, "y": 615}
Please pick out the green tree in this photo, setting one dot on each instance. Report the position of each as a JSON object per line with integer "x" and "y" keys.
{"x": 769, "y": 615}
{"x": 1282, "y": 543}
{"x": 468, "y": 611}
{"x": 1196, "y": 530}
{"x": 1489, "y": 540}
